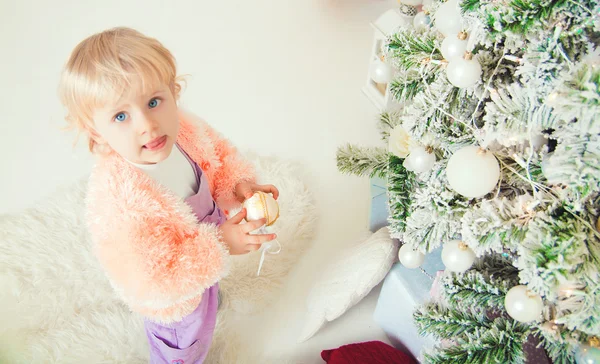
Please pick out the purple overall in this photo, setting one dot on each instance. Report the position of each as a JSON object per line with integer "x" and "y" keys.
{"x": 188, "y": 341}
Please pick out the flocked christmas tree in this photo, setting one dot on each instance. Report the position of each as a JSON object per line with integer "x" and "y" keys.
{"x": 495, "y": 156}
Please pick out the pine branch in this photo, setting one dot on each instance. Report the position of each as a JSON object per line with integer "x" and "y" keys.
{"x": 501, "y": 343}
{"x": 473, "y": 289}
{"x": 401, "y": 184}
{"x": 411, "y": 49}
{"x": 574, "y": 163}
{"x": 405, "y": 90}
{"x": 580, "y": 98}
{"x": 447, "y": 323}
{"x": 517, "y": 16}
{"x": 558, "y": 348}
{"x": 496, "y": 265}
{"x": 362, "y": 161}
{"x": 387, "y": 122}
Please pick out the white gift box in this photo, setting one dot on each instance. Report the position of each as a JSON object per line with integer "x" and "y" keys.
{"x": 403, "y": 291}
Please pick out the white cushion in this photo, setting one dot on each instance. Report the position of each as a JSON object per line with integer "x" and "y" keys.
{"x": 347, "y": 280}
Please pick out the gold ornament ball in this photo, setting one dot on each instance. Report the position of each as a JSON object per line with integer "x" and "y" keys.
{"x": 262, "y": 206}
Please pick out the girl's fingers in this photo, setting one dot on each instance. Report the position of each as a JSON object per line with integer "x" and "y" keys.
{"x": 269, "y": 189}
{"x": 253, "y": 247}
{"x": 238, "y": 217}
{"x": 253, "y": 225}
{"x": 260, "y": 239}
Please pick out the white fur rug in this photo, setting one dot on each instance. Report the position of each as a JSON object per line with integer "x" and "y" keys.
{"x": 56, "y": 306}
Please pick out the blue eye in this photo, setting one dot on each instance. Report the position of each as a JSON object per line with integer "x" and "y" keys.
{"x": 154, "y": 103}
{"x": 120, "y": 117}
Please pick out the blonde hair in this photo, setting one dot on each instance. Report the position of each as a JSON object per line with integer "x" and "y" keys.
{"x": 104, "y": 66}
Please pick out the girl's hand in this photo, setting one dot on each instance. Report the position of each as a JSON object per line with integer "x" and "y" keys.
{"x": 237, "y": 236}
{"x": 245, "y": 190}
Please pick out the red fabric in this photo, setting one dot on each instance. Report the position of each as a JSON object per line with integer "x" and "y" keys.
{"x": 372, "y": 352}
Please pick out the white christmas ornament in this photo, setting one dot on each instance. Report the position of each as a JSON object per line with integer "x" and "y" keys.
{"x": 454, "y": 46}
{"x": 262, "y": 206}
{"x": 473, "y": 171}
{"x": 522, "y": 304}
{"x": 464, "y": 71}
{"x": 448, "y": 19}
{"x": 419, "y": 160}
{"x": 457, "y": 256}
{"x": 381, "y": 72}
{"x": 421, "y": 21}
{"x": 409, "y": 257}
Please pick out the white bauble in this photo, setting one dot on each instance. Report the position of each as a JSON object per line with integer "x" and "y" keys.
{"x": 522, "y": 304}
{"x": 472, "y": 171}
{"x": 412, "y": 2}
{"x": 409, "y": 257}
{"x": 453, "y": 47}
{"x": 457, "y": 256}
{"x": 261, "y": 206}
{"x": 419, "y": 160}
{"x": 381, "y": 72}
{"x": 421, "y": 21}
{"x": 448, "y": 19}
{"x": 407, "y": 164}
{"x": 463, "y": 72}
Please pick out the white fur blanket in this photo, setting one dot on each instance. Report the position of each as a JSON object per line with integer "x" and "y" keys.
{"x": 56, "y": 306}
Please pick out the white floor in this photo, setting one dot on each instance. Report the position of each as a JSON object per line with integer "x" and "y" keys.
{"x": 276, "y": 77}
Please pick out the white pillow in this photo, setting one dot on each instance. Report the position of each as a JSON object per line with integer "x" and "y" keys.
{"x": 348, "y": 280}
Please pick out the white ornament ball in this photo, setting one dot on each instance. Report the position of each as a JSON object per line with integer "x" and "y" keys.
{"x": 448, "y": 19}
{"x": 463, "y": 72}
{"x": 408, "y": 165}
{"x": 262, "y": 206}
{"x": 381, "y": 72}
{"x": 412, "y": 2}
{"x": 522, "y": 304}
{"x": 419, "y": 160}
{"x": 453, "y": 47}
{"x": 473, "y": 172}
{"x": 421, "y": 21}
{"x": 457, "y": 256}
{"x": 409, "y": 257}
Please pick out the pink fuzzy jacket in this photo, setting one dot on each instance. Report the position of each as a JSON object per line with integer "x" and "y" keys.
{"x": 157, "y": 256}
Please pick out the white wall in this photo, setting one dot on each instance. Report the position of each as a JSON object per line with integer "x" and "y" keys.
{"x": 275, "y": 76}
{"x": 286, "y": 71}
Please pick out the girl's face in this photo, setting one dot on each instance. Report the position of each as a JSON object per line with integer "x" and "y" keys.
{"x": 142, "y": 128}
